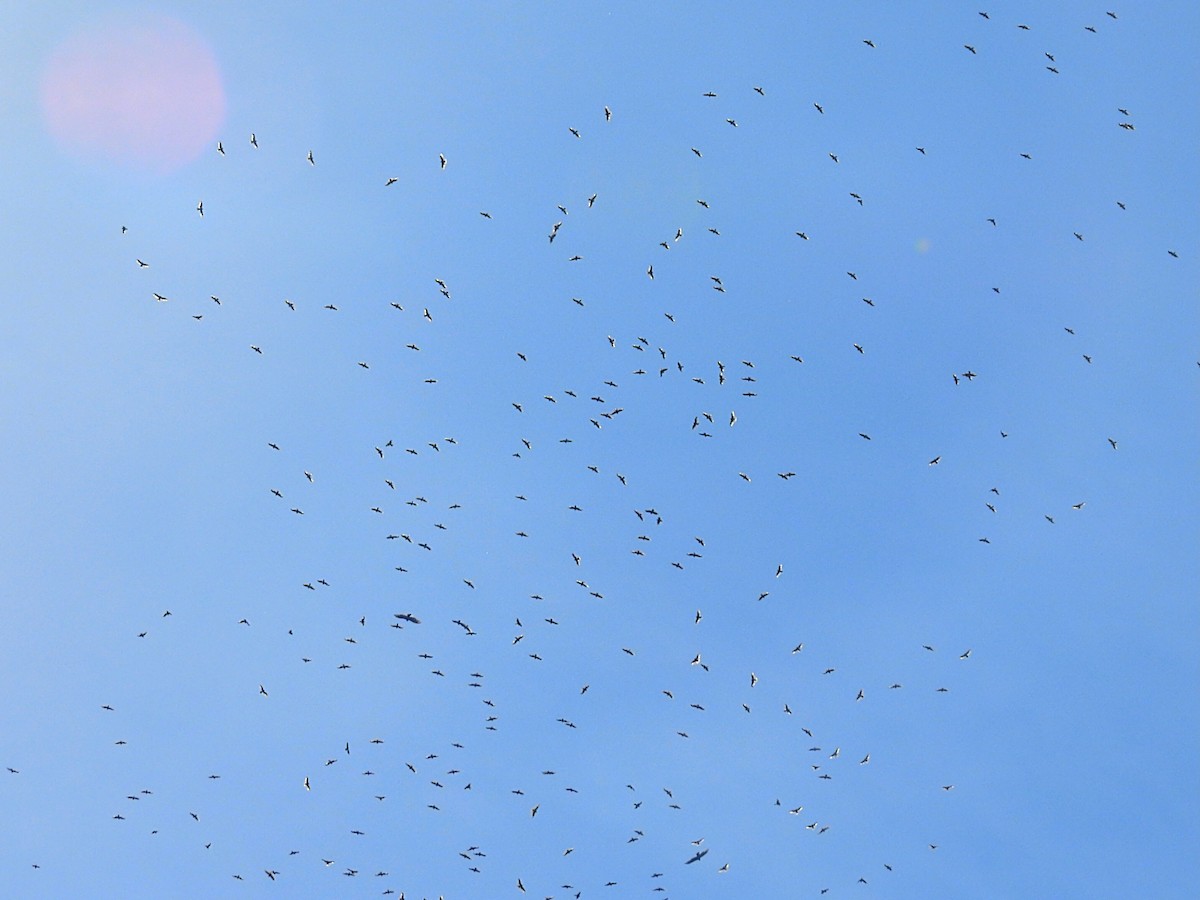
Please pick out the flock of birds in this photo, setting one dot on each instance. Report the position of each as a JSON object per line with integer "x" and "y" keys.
{"x": 423, "y": 527}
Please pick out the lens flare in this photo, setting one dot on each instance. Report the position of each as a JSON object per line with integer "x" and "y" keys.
{"x": 145, "y": 95}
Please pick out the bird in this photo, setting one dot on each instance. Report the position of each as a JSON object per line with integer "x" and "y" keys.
{"x": 442, "y": 160}
{"x": 254, "y": 140}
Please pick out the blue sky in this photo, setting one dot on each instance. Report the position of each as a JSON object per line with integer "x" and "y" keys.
{"x": 138, "y": 473}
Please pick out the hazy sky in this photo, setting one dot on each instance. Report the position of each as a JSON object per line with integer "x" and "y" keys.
{"x": 780, "y": 418}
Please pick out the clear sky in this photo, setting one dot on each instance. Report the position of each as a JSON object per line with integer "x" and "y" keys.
{"x": 780, "y": 418}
